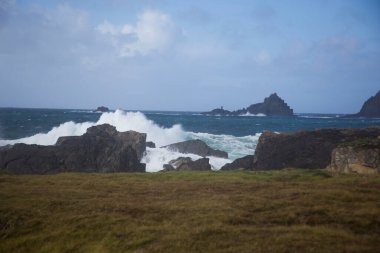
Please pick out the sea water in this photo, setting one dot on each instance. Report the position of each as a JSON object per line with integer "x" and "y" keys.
{"x": 237, "y": 135}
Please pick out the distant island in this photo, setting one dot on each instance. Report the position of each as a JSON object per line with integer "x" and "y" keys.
{"x": 102, "y": 109}
{"x": 272, "y": 106}
{"x": 370, "y": 108}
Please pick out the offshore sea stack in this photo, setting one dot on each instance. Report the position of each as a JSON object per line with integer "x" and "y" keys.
{"x": 306, "y": 149}
{"x": 101, "y": 149}
{"x": 370, "y": 108}
{"x": 272, "y": 106}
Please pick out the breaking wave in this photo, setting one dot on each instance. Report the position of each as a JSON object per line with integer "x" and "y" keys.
{"x": 155, "y": 157}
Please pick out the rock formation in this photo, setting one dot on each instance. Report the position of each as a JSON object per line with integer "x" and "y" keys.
{"x": 186, "y": 164}
{"x": 102, "y": 109}
{"x": 370, "y": 108}
{"x": 150, "y": 144}
{"x": 272, "y": 106}
{"x": 244, "y": 163}
{"x": 361, "y": 156}
{"x": 306, "y": 149}
{"x": 196, "y": 147}
{"x": 101, "y": 149}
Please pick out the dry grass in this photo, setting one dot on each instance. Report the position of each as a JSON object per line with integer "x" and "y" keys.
{"x": 279, "y": 211}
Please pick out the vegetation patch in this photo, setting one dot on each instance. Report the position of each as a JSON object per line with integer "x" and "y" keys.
{"x": 277, "y": 211}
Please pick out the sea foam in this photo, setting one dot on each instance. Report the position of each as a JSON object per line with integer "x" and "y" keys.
{"x": 161, "y": 136}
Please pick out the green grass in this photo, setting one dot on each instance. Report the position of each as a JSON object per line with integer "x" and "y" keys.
{"x": 277, "y": 211}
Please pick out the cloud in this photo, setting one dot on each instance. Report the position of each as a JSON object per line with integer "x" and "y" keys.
{"x": 153, "y": 32}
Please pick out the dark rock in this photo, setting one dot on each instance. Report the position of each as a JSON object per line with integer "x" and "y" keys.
{"x": 370, "y": 108}
{"x": 361, "y": 156}
{"x": 102, "y": 109}
{"x": 218, "y": 112}
{"x": 272, "y": 106}
{"x": 186, "y": 164}
{"x": 197, "y": 165}
{"x": 100, "y": 149}
{"x": 245, "y": 163}
{"x": 168, "y": 167}
{"x": 306, "y": 149}
{"x": 179, "y": 161}
{"x": 197, "y": 147}
{"x": 150, "y": 144}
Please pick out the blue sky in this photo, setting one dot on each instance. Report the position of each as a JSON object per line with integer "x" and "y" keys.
{"x": 320, "y": 56}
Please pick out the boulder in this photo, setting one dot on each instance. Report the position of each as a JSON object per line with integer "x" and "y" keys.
{"x": 150, "y": 144}
{"x": 244, "y": 163}
{"x": 167, "y": 167}
{"x": 179, "y": 161}
{"x": 196, "y": 147}
{"x": 305, "y": 149}
{"x": 370, "y": 108}
{"x": 101, "y": 149}
{"x": 361, "y": 156}
{"x": 186, "y": 164}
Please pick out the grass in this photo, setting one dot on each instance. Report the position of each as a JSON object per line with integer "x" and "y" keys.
{"x": 277, "y": 211}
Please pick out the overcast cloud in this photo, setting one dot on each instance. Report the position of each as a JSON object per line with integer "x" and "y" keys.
{"x": 189, "y": 55}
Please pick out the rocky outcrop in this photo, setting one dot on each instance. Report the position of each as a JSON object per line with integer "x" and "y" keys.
{"x": 306, "y": 149}
{"x": 102, "y": 109}
{"x": 186, "y": 164}
{"x": 101, "y": 149}
{"x": 361, "y": 156}
{"x": 370, "y": 108}
{"x": 150, "y": 144}
{"x": 272, "y": 106}
{"x": 244, "y": 163}
{"x": 196, "y": 147}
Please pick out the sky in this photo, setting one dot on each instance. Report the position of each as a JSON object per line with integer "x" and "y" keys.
{"x": 182, "y": 55}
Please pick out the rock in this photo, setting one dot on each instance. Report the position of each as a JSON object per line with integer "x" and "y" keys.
{"x": 168, "y": 167}
{"x": 150, "y": 144}
{"x": 370, "y": 108}
{"x": 272, "y": 106}
{"x": 245, "y": 163}
{"x": 197, "y": 147}
{"x": 102, "y": 109}
{"x": 305, "y": 149}
{"x": 361, "y": 156}
{"x": 179, "y": 161}
{"x": 101, "y": 149}
{"x": 218, "y": 112}
{"x": 186, "y": 164}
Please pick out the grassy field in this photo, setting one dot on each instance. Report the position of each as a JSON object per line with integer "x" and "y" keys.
{"x": 278, "y": 211}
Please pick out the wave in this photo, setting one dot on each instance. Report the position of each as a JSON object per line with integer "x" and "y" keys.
{"x": 155, "y": 157}
{"x": 253, "y": 115}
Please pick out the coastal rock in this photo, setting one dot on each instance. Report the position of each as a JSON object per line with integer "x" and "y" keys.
{"x": 370, "y": 108}
{"x": 196, "y": 147}
{"x": 101, "y": 149}
{"x": 186, "y": 164}
{"x": 305, "y": 149}
{"x": 179, "y": 161}
{"x": 102, "y": 109}
{"x": 150, "y": 144}
{"x": 272, "y": 106}
{"x": 361, "y": 156}
{"x": 244, "y": 163}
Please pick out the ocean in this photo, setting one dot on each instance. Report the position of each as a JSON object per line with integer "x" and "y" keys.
{"x": 237, "y": 135}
